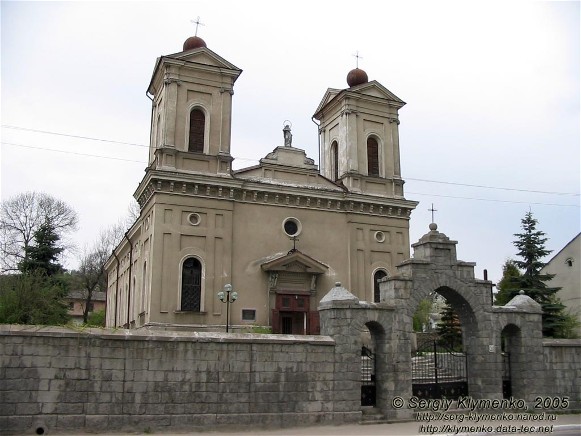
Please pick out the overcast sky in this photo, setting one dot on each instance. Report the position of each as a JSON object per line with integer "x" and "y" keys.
{"x": 492, "y": 92}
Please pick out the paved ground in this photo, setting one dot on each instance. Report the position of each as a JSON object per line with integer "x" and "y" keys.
{"x": 564, "y": 425}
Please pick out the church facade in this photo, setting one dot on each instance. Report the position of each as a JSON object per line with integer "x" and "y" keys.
{"x": 282, "y": 232}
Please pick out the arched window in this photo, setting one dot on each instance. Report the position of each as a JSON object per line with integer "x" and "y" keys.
{"x": 144, "y": 287}
{"x": 197, "y": 127}
{"x": 191, "y": 285}
{"x": 372, "y": 157}
{"x": 379, "y": 274}
{"x": 334, "y": 161}
{"x": 158, "y": 132}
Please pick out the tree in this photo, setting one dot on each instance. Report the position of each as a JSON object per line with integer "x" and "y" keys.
{"x": 506, "y": 287}
{"x": 21, "y": 216}
{"x": 422, "y": 315}
{"x": 531, "y": 250}
{"x": 42, "y": 256}
{"x": 91, "y": 275}
{"x": 449, "y": 329}
{"x": 32, "y": 299}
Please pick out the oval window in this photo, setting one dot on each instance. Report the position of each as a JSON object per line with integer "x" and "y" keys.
{"x": 292, "y": 226}
{"x": 194, "y": 219}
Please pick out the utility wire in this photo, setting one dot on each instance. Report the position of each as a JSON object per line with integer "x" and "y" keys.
{"x": 492, "y": 187}
{"x": 494, "y": 200}
{"x": 256, "y": 160}
{"x": 73, "y": 152}
{"x": 413, "y": 193}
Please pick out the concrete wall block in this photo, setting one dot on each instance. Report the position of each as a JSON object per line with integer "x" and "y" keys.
{"x": 193, "y": 421}
{"x": 97, "y": 423}
{"x": 70, "y": 421}
{"x": 112, "y": 386}
{"x": 68, "y": 408}
{"x": 7, "y": 409}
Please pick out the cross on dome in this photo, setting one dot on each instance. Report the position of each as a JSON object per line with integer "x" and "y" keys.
{"x": 197, "y": 22}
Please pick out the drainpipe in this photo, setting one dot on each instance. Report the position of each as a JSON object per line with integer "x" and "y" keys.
{"x": 129, "y": 287}
{"x": 116, "y": 288}
{"x": 318, "y": 141}
{"x": 151, "y": 140}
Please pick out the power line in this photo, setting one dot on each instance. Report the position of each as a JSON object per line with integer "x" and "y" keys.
{"x": 413, "y": 193}
{"x": 493, "y": 200}
{"x": 501, "y": 188}
{"x": 4, "y": 126}
{"x": 493, "y": 187}
{"x": 73, "y": 152}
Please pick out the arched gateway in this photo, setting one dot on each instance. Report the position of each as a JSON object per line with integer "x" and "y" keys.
{"x": 490, "y": 333}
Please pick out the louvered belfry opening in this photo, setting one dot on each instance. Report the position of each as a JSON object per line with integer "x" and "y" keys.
{"x": 372, "y": 157}
{"x": 197, "y": 126}
{"x": 335, "y": 161}
{"x": 191, "y": 285}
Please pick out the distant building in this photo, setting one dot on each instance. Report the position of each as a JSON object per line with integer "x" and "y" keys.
{"x": 76, "y": 301}
{"x": 565, "y": 265}
{"x": 282, "y": 232}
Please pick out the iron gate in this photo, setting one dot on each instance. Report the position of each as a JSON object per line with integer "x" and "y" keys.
{"x": 439, "y": 372}
{"x": 506, "y": 380}
{"x": 367, "y": 377}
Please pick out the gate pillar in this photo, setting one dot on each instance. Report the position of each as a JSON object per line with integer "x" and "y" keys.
{"x": 336, "y": 317}
{"x": 343, "y": 317}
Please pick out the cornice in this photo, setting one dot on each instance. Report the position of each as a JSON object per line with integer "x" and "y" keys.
{"x": 255, "y": 192}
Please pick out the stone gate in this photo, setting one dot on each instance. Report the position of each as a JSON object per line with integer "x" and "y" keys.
{"x": 434, "y": 267}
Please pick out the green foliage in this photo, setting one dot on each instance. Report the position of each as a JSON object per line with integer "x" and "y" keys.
{"x": 42, "y": 256}
{"x": 449, "y": 329}
{"x": 531, "y": 250}
{"x": 422, "y": 315}
{"x": 261, "y": 329}
{"x": 33, "y": 298}
{"x": 96, "y": 319}
{"x": 508, "y": 285}
{"x": 569, "y": 326}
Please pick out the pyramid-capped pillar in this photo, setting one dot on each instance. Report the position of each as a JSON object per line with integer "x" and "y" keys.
{"x": 338, "y": 296}
{"x": 524, "y": 303}
{"x": 435, "y": 247}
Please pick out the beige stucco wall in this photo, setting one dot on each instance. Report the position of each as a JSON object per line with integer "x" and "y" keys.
{"x": 567, "y": 277}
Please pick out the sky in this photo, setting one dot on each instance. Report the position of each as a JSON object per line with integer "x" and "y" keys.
{"x": 490, "y": 131}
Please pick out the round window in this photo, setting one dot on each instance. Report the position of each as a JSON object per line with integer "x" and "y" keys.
{"x": 194, "y": 219}
{"x": 379, "y": 236}
{"x": 292, "y": 226}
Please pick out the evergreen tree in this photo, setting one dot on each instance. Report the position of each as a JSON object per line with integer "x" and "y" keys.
{"x": 32, "y": 298}
{"x": 422, "y": 315}
{"x": 42, "y": 256}
{"x": 531, "y": 250}
{"x": 449, "y": 329}
{"x": 508, "y": 285}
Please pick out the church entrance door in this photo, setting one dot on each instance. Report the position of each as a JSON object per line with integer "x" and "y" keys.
{"x": 291, "y": 315}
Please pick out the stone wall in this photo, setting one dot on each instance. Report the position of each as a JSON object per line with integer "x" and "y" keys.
{"x": 101, "y": 380}
{"x": 563, "y": 370}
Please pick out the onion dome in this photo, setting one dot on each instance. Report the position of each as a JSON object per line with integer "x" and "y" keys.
{"x": 356, "y": 77}
{"x": 194, "y": 42}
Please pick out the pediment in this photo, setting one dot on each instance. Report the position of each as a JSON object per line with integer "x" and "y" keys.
{"x": 330, "y": 94}
{"x": 295, "y": 261}
{"x": 371, "y": 89}
{"x": 204, "y": 56}
{"x": 376, "y": 89}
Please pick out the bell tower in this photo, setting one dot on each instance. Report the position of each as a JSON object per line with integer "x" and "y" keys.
{"x": 359, "y": 137}
{"x": 192, "y": 110}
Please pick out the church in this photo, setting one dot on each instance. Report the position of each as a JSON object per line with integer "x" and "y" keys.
{"x": 280, "y": 233}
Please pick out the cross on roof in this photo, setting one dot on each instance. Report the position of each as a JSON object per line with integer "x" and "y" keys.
{"x": 357, "y": 57}
{"x": 197, "y": 22}
{"x": 433, "y": 210}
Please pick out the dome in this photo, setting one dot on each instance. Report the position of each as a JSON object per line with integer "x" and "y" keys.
{"x": 194, "y": 42}
{"x": 356, "y": 77}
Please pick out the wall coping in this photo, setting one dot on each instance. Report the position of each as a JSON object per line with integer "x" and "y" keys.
{"x": 561, "y": 342}
{"x": 173, "y": 336}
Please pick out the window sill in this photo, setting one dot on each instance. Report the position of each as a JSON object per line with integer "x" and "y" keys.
{"x": 179, "y": 312}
